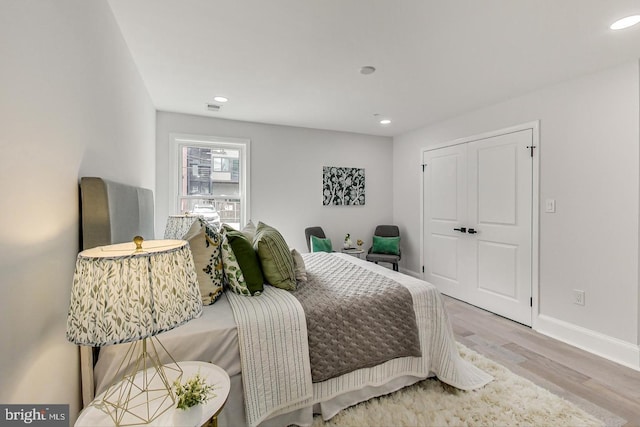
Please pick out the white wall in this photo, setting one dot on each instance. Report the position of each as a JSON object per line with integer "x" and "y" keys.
{"x": 286, "y": 175}
{"x": 72, "y": 104}
{"x": 590, "y": 164}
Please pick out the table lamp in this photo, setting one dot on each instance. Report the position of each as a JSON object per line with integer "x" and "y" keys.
{"x": 179, "y": 225}
{"x": 129, "y": 293}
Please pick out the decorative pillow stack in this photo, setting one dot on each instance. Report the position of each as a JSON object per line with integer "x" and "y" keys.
{"x": 242, "y": 260}
{"x": 275, "y": 257}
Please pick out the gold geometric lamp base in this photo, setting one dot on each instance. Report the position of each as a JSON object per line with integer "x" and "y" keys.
{"x": 145, "y": 391}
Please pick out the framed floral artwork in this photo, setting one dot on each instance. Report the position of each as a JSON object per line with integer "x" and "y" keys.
{"x": 342, "y": 186}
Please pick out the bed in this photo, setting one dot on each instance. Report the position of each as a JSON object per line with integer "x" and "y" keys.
{"x": 272, "y": 379}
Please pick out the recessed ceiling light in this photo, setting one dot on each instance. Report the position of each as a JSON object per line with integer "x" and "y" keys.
{"x": 385, "y": 121}
{"x": 625, "y": 22}
{"x": 220, "y": 99}
{"x": 367, "y": 69}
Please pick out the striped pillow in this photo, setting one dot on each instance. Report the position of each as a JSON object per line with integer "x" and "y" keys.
{"x": 276, "y": 260}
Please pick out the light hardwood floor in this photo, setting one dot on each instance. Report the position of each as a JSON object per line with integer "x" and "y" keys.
{"x": 608, "y": 390}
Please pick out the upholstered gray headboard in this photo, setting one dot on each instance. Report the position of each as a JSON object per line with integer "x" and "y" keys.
{"x": 110, "y": 213}
{"x": 114, "y": 213}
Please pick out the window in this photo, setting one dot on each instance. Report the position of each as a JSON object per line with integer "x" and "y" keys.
{"x": 211, "y": 178}
{"x": 221, "y": 164}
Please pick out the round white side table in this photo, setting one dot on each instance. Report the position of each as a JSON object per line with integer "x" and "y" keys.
{"x": 353, "y": 252}
{"x": 212, "y": 374}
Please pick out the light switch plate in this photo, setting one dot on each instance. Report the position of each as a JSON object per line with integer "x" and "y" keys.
{"x": 550, "y": 205}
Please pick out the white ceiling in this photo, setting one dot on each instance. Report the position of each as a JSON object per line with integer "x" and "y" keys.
{"x": 297, "y": 62}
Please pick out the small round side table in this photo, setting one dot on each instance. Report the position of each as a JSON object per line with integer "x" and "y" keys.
{"x": 213, "y": 374}
{"x": 353, "y": 251}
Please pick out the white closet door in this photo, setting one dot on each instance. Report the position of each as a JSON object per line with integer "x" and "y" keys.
{"x": 489, "y": 263}
{"x": 500, "y": 198}
{"x": 445, "y": 209}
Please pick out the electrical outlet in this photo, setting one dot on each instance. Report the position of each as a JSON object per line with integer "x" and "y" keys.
{"x": 578, "y": 296}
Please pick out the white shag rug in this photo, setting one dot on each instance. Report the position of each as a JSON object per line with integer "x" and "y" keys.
{"x": 509, "y": 400}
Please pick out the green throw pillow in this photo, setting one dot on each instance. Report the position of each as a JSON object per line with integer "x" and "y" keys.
{"x": 386, "y": 245}
{"x": 275, "y": 257}
{"x": 321, "y": 245}
{"x": 247, "y": 258}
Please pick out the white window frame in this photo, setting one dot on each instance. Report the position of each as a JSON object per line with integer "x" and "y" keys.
{"x": 179, "y": 140}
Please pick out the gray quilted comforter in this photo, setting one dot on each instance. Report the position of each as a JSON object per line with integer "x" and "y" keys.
{"x": 355, "y": 318}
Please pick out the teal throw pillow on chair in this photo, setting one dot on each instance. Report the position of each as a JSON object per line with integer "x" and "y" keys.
{"x": 386, "y": 245}
{"x": 321, "y": 245}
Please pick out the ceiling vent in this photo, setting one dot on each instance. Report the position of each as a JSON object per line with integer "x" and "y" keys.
{"x": 213, "y": 107}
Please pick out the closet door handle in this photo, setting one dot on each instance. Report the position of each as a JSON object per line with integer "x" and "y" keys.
{"x": 472, "y": 231}
{"x": 461, "y": 229}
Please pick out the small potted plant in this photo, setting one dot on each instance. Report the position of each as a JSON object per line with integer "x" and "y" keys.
{"x": 347, "y": 241}
{"x": 190, "y": 396}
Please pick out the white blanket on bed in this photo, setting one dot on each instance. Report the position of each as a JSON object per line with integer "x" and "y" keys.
{"x": 276, "y": 374}
{"x": 274, "y": 353}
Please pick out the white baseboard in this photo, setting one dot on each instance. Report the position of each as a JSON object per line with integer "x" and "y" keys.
{"x": 614, "y": 349}
{"x": 611, "y": 348}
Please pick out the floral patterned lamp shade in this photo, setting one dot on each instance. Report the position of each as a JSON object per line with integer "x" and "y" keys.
{"x": 121, "y": 294}
{"x": 127, "y": 293}
{"x": 179, "y": 225}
